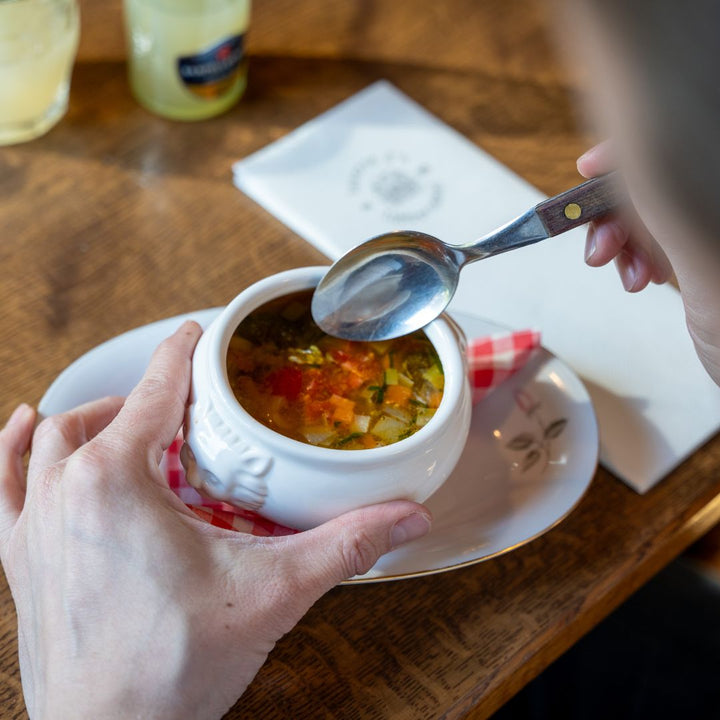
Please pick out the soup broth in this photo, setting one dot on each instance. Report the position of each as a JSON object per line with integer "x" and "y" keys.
{"x": 295, "y": 379}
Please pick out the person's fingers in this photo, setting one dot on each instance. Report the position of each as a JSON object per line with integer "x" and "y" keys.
{"x": 662, "y": 267}
{"x": 153, "y": 412}
{"x": 59, "y": 436}
{"x": 634, "y": 266}
{"x": 597, "y": 160}
{"x": 641, "y": 262}
{"x": 14, "y": 443}
{"x": 605, "y": 240}
{"x": 640, "y": 259}
{"x": 318, "y": 559}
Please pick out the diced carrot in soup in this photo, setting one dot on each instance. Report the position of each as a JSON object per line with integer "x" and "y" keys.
{"x": 332, "y": 393}
{"x": 435, "y": 398}
{"x": 344, "y": 409}
{"x": 398, "y": 394}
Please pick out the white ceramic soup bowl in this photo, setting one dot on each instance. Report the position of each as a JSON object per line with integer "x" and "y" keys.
{"x": 230, "y": 456}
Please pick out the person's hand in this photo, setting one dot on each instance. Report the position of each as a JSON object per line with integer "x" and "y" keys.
{"x": 624, "y": 238}
{"x": 670, "y": 245}
{"x": 128, "y": 604}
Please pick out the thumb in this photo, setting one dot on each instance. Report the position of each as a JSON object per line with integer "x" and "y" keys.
{"x": 597, "y": 160}
{"x": 352, "y": 543}
{"x": 14, "y": 443}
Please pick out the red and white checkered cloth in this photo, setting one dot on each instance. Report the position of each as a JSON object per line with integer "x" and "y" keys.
{"x": 492, "y": 360}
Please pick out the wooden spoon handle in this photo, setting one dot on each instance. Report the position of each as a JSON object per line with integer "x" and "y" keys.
{"x": 581, "y": 204}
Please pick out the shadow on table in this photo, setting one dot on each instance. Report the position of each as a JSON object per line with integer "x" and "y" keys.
{"x": 628, "y": 437}
{"x": 105, "y": 122}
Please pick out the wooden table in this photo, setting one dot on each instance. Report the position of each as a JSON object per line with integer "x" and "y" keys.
{"x": 117, "y": 218}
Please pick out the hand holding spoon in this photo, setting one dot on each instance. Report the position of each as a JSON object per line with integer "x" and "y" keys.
{"x": 398, "y": 282}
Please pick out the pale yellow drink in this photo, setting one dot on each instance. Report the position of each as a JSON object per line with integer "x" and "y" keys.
{"x": 38, "y": 42}
{"x": 186, "y": 57}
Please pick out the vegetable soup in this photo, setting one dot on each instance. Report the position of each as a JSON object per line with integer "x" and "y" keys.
{"x": 295, "y": 379}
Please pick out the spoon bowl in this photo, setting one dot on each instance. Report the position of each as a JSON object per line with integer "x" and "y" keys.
{"x": 387, "y": 287}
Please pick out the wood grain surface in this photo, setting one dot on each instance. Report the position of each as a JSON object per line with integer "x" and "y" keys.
{"x": 508, "y": 38}
{"x": 117, "y": 218}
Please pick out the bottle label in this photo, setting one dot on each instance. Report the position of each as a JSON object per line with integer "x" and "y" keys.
{"x": 211, "y": 73}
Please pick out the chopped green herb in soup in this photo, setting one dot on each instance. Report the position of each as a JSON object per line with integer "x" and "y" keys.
{"x": 291, "y": 376}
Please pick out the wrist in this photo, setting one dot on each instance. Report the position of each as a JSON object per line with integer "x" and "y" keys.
{"x": 705, "y": 333}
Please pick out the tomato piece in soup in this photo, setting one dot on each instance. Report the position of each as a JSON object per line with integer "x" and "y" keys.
{"x": 286, "y": 381}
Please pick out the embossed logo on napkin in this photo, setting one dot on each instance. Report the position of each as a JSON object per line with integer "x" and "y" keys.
{"x": 395, "y": 186}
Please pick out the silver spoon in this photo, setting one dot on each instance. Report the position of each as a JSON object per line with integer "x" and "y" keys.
{"x": 398, "y": 282}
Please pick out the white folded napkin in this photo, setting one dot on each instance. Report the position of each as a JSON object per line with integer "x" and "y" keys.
{"x": 379, "y": 161}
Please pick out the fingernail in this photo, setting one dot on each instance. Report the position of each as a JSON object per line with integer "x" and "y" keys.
{"x": 604, "y": 147}
{"x": 628, "y": 274}
{"x": 189, "y": 327}
{"x": 21, "y": 415}
{"x": 411, "y": 527}
{"x": 660, "y": 277}
{"x": 590, "y": 245}
{"x": 587, "y": 154}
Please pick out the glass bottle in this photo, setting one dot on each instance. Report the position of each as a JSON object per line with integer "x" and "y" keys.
{"x": 186, "y": 58}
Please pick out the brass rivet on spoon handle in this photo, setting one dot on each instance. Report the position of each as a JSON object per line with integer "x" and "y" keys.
{"x": 573, "y": 211}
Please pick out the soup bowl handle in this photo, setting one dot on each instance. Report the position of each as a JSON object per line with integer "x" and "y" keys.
{"x": 239, "y": 468}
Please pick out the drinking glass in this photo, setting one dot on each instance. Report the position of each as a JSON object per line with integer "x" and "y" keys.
{"x": 38, "y": 43}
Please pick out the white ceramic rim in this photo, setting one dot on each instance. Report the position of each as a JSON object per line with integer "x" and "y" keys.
{"x": 440, "y": 333}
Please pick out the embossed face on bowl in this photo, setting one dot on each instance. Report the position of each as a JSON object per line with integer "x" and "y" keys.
{"x": 332, "y": 393}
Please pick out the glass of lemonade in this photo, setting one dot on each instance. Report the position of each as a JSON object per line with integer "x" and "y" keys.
{"x": 38, "y": 43}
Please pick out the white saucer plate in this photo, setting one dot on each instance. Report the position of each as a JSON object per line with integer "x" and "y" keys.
{"x": 530, "y": 456}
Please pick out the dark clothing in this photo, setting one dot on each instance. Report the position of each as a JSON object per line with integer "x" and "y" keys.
{"x": 657, "y": 656}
